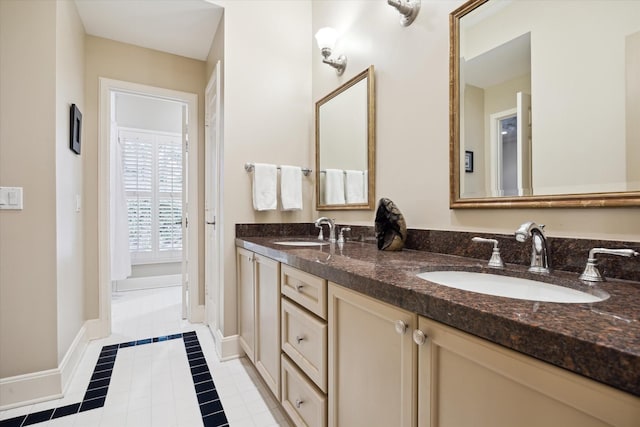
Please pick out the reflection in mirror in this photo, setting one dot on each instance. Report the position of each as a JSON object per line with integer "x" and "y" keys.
{"x": 345, "y": 138}
{"x": 549, "y": 107}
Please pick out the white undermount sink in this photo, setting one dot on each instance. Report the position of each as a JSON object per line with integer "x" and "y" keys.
{"x": 510, "y": 287}
{"x": 301, "y": 243}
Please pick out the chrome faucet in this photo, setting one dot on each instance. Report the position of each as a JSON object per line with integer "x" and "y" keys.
{"x": 539, "y": 251}
{"x": 332, "y": 227}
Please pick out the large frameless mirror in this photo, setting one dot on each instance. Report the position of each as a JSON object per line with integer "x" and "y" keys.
{"x": 545, "y": 103}
{"x": 345, "y": 145}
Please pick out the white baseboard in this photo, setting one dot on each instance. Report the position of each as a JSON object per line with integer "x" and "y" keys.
{"x": 150, "y": 282}
{"x": 72, "y": 358}
{"x": 226, "y": 347}
{"x": 46, "y": 385}
{"x": 197, "y": 314}
{"x": 30, "y": 388}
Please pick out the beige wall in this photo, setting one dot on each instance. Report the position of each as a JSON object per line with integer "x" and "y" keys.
{"x": 28, "y": 335}
{"x": 412, "y": 72}
{"x": 472, "y": 115}
{"x": 267, "y": 114}
{"x": 69, "y": 183}
{"x": 119, "y": 61}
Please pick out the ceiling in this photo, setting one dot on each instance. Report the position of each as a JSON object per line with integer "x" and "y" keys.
{"x": 180, "y": 27}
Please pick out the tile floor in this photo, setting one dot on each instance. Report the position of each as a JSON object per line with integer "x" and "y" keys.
{"x": 151, "y": 385}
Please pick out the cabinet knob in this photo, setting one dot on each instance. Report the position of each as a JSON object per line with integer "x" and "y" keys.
{"x": 419, "y": 337}
{"x": 299, "y": 338}
{"x": 299, "y": 403}
{"x": 401, "y": 327}
{"x": 299, "y": 287}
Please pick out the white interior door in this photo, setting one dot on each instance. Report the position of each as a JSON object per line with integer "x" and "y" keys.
{"x": 496, "y": 158}
{"x": 185, "y": 212}
{"x": 212, "y": 152}
{"x": 525, "y": 186}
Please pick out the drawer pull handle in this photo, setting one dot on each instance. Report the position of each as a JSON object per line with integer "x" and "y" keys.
{"x": 401, "y": 327}
{"x": 299, "y": 287}
{"x": 299, "y": 338}
{"x": 299, "y": 403}
{"x": 419, "y": 337}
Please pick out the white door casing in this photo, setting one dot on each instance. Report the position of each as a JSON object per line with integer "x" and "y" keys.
{"x": 185, "y": 212}
{"x": 107, "y": 86}
{"x": 212, "y": 203}
{"x": 525, "y": 184}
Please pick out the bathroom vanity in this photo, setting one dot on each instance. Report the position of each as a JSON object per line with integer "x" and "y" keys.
{"x": 364, "y": 341}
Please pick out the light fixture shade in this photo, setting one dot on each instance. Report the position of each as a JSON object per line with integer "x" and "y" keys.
{"x": 326, "y": 38}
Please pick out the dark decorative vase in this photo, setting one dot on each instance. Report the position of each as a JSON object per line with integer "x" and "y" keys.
{"x": 391, "y": 228}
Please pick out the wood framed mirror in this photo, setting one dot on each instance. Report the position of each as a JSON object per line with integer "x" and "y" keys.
{"x": 345, "y": 145}
{"x": 548, "y": 108}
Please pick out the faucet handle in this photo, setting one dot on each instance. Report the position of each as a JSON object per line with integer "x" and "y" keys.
{"x": 496, "y": 260}
{"x": 591, "y": 272}
{"x": 341, "y": 236}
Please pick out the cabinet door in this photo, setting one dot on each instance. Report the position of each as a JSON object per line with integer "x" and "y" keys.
{"x": 267, "y": 349}
{"x": 372, "y": 365}
{"x": 246, "y": 301}
{"x": 468, "y": 381}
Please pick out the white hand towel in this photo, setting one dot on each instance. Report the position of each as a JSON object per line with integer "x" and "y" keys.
{"x": 265, "y": 179}
{"x": 354, "y": 186}
{"x": 334, "y": 187}
{"x": 291, "y": 187}
{"x": 365, "y": 178}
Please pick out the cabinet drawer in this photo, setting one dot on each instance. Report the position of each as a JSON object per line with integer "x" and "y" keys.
{"x": 304, "y": 340}
{"x": 300, "y": 399}
{"x": 306, "y": 289}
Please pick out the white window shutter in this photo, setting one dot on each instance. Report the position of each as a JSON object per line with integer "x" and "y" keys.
{"x": 153, "y": 183}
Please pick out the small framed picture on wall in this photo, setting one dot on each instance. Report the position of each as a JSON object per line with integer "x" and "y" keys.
{"x": 468, "y": 161}
{"x": 75, "y": 129}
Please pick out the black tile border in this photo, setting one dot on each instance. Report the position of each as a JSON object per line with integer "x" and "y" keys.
{"x": 210, "y": 405}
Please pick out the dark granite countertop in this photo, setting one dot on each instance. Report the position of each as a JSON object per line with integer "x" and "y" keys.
{"x": 600, "y": 341}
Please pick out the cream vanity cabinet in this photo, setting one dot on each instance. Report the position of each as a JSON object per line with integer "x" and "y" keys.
{"x": 372, "y": 362}
{"x": 304, "y": 347}
{"x": 336, "y": 357}
{"x": 467, "y": 381}
{"x": 258, "y": 282}
{"x": 389, "y": 367}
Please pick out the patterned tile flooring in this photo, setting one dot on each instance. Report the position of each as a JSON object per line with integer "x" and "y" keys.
{"x": 161, "y": 384}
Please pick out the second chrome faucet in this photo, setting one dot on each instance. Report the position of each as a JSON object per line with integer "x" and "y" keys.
{"x": 539, "y": 249}
{"x": 332, "y": 227}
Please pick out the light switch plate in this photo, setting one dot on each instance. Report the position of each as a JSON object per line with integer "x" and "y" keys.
{"x": 11, "y": 198}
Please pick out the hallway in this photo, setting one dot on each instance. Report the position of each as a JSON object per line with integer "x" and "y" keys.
{"x": 151, "y": 383}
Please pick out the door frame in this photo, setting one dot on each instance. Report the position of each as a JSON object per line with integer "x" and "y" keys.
{"x": 214, "y": 279}
{"x": 495, "y": 145}
{"x": 195, "y": 310}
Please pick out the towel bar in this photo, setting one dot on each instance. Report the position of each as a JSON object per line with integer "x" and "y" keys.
{"x": 249, "y": 168}
{"x": 345, "y": 172}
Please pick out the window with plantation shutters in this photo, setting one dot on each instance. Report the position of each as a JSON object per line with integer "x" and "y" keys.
{"x": 153, "y": 186}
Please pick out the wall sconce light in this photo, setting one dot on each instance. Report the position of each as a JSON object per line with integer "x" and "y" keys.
{"x": 326, "y": 38}
{"x": 408, "y": 10}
